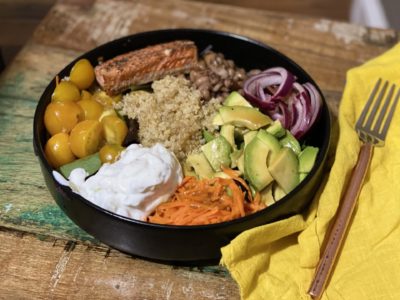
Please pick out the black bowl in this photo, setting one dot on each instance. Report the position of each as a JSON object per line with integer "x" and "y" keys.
{"x": 182, "y": 243}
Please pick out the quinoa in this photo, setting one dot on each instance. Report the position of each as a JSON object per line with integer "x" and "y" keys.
{"x": 172, "y": 114}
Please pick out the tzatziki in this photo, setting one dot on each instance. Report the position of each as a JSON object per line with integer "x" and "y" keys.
{"x": 134, "y": 185}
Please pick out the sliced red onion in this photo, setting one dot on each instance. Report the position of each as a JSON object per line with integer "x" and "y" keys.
{"x": 256, "y": 88}
{"x": 303, "y": 111}
{"x": 280, "y": 114}
{"x": 276, "y": 92}
{"x": 307, "y": 108}
{"x": 265, "y": 82}
{"x": 286, "y": 81}
{"x": 290, "y": 117}
{"x": 299, "y": 125}
{"x": 316, "y": 101}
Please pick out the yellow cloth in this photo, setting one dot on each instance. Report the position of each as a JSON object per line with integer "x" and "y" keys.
{"x": 278, "y": 260}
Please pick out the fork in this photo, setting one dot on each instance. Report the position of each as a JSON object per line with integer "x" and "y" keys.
{"x": 371, "y": 127}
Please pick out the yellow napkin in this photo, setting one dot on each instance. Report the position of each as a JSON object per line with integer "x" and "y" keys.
{"x": 278, "y": 260}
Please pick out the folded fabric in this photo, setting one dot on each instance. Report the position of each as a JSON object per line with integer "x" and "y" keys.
{"x": 278, "y": 260}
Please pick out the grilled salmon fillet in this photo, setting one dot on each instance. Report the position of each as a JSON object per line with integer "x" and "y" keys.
{"x": 145, "y": 65}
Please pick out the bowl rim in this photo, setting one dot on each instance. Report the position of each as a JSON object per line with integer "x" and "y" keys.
{"x": 322, "y": 154}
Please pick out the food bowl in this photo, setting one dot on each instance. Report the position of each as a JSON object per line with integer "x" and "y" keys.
{"x": 183, "y": 243}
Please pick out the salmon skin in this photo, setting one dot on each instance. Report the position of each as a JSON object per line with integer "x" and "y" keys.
{"x": 146, "y": 65}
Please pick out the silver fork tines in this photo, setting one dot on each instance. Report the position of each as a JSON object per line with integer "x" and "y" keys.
{"x": 374, "y": 128}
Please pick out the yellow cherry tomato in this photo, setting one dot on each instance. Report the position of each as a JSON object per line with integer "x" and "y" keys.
{"x": 86, "y": 137}
{"x": 106, "y": 100}
{"x": 108, "y": 112}
{"x": 115, "y": 129}
{"x": 91, "y": 108}
{"x": 109, "y": 153}
{"x": 85, "y": 95}
{"x": 82, "y": 74}
{"x": 62, "y": 116}
{"x": 57, "y": 150}
{"x": 65, "y": 91}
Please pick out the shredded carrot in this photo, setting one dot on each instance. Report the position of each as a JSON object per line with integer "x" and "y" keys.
{"x": 255, "y": 203}
{"x": 207, "y": 201}
{"x": 231, "y": 173}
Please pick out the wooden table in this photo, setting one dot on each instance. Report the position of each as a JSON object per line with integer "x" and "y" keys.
{"x": 43, "y": 255}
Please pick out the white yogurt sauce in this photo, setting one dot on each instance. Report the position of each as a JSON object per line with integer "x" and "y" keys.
{"x": 135, "y": 184}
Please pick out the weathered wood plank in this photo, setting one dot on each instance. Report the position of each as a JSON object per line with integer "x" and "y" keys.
{"x": 18, "y": 19}
{"x": 339, "y": 9}
{"x": 326, "y": 49}
{"x": 32, "y": 70}
{"x": 61, "y": 269}
{"x": 25, "y": 203}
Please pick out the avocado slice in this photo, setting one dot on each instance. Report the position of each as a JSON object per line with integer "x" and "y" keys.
{"x": 217, "y": 120}
{"x": 278, "y": 192}
{"x": 270, "y": 141}
{"x": 200, "y": 164}
{"x": 218, "y": 153}
{"x": 255, "y": 164}
{"x": 235, "y": 99}
{"x": 91, "y": 164}
{"x": 188, "y": 170}
{"x": 240, "y": 163}
{"x": 235, "y": 156}
{"x": 249, "y": 136}
{"x": 307, "y": 159}
{"x": 285, "y": 169}
{"x": 253, "y": 191}
{"x": 302, "y": 176}
{"x": 266, "y": 196}
{"x": 228, "y": 132}
{"x": 208, "y": 136}
{"x": 242, "y": 116}
{"x": 290, "y": 141}
{"x": 239, "y": 134}
{"x": 276, "y": 129}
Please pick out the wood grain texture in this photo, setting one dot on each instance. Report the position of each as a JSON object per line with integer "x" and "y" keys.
{"x": 18, "y": 20}
{"x": 338, "y": 10}
{"x": 42, "y": 252}
{"x": 326, "y": 49}
{"x": 59, "y": 269}
{"x": 25, "y": 202}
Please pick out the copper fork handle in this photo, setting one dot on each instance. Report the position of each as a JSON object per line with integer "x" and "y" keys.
{"x": 337, "y": 232}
